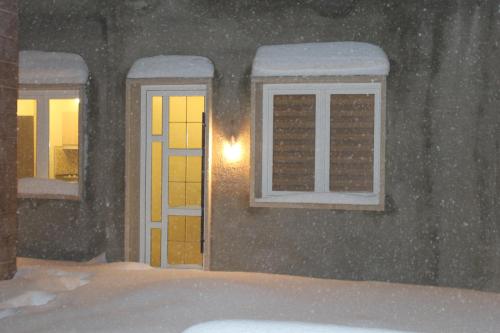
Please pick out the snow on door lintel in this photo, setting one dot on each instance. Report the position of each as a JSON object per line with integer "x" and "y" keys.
{"x": 171, "y": 66}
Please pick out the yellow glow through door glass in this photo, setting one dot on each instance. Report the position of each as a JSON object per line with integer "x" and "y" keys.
{"x": 26, "y": 138}
{"x": 177, "y": 168}
{"x": 176, "y": 239}
{"x": 63, "y": 139}
{"x": 193, "y": 195}
{"x": 176, "y": 194}
{"x": 157, "y": 115}
{"x": 177, "y": 228}
{"x": 177, "y": 135}
{"x": 184, "y": 183}
{"x": 195, "y": 109}
{"x": 156, "y": 180}
{"x": 184, "y": 235}
{"x": 155, "y": 247}
{"x": 185, "y": 142}
{"x": 194, "y": 134}
{"x": 185, "y": 122}
{"x": 177, "y": 109}
{"x": 193, "y": 169}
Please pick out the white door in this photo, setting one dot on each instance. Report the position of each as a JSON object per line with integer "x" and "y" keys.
{"x": 172, "y": 146}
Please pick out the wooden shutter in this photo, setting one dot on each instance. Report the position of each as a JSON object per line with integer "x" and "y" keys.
{"x": 351, "y": 142}
{"x": 293, "y": 142}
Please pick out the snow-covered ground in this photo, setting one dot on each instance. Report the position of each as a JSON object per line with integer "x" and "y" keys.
{"x": 48, "y": 296}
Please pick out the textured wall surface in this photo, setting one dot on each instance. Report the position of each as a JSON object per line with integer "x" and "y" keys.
{"x": 8, "y": 96}
{"x": 442, "y": 221}
{"x": 60, "y": 229}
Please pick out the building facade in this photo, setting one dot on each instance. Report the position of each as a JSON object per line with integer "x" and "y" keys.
{"x": 439, "y": 222}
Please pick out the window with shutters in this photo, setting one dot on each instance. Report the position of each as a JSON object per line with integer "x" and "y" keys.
{"x": 319, "y": 145}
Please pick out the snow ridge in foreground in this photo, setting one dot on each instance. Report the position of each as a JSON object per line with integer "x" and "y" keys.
{"x": 49, "y": 282}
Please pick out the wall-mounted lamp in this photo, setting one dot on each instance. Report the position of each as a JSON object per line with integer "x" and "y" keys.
{"x": 232, "y": 150}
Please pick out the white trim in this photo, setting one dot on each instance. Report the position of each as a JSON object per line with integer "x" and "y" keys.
{"x": 142, "y": 185}
{"x": 321, "y": 194}
{"x": 50, "y": 187}
{"x": 166, "y": 91}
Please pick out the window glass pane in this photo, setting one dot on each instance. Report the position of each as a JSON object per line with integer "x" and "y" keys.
{"x": 177, "y": 109}
{"x": 176, "y": 194}
{"x": 176, "y": 252}
{"x": 193, "y": 171}
{"x": 193, "y": 228}
{"x": 63, "y": 139}
{"x": 177, "y": 168}
{"x": 195, "y": 108}
{"x": 177, "y": 228}
{"x": 293, "y": 142}
{"x": 26, "y": 138}
{"x": 156, "y": 180}
{"x": 193, "y": 195}
{"x": 194, "y": 134}
{"x": 351, "y": 142}
{"x": 177, "y": 136}
{"x": 193, "y": 254}
{"x": 157, "y": 115}
{"x": 155, "y": 247}
{"x": 184, "y": 234}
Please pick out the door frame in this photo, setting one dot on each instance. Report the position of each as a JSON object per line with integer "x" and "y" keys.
{"x": 135, "y": 157}
{"x": 147, "y": 92}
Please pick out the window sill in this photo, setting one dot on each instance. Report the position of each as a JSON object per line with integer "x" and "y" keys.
{"x": 340, "y": 201}
{"x": 40, "y": 188}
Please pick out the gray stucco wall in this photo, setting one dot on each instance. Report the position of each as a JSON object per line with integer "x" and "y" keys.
{"x": 442, "y": 219}
{"x": 60, "y": 229}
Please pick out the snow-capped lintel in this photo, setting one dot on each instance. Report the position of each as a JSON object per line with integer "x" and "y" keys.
{"x": 39, "y": 67}
{"x": 319, "y": 59}
{"x": 171, "y": 66}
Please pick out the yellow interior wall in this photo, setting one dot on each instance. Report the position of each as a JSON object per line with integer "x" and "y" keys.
{"x": 63, "y": 129}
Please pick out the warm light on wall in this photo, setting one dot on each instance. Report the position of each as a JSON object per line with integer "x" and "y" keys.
{"x": 232, "y": 150}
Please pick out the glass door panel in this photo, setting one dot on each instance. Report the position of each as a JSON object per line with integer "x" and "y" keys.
{"x": 174, "y": 179}
{"x": 184, "y": 237}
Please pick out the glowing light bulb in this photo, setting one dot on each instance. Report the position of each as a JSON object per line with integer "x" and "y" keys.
{"x": 232, "y": 151}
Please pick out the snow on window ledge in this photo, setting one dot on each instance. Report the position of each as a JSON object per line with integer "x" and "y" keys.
{"x": 262, "y": 326}
{"x": 47, "y": 189}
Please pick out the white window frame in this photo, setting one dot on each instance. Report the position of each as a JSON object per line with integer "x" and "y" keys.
{"x": 321, "y": 194}
{"x": 41, "y": 185}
